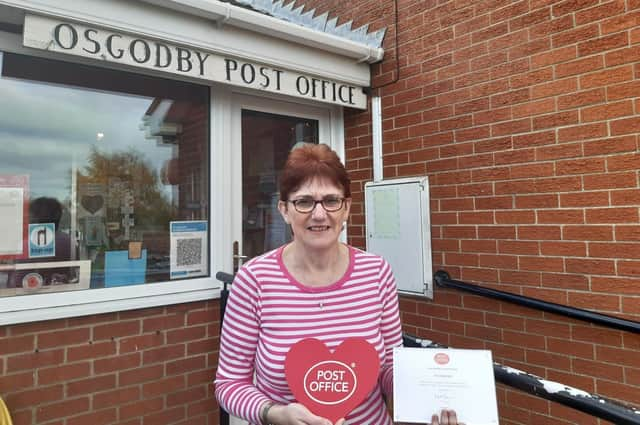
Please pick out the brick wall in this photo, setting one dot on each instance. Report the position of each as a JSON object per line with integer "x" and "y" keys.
{"x": 143, "y": 367}
{"x": 524, "y": 116}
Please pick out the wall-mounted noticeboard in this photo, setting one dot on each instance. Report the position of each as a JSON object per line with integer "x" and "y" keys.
{"x": 397, "y": 218}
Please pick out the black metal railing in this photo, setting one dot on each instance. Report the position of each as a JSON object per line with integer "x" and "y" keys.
{"x": 577, "y": 399}
{"x": 443, "y": 279}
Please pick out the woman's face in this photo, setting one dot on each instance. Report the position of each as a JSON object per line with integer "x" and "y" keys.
{"x": 318, "y": 229}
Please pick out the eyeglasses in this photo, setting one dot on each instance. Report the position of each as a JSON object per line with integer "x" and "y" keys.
{"x": 306, "y": 205}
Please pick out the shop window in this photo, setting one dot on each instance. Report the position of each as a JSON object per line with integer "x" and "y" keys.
{"x": 104, "y": 178}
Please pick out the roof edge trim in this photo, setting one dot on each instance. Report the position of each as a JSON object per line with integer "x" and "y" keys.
{"x": 228, "y": 14}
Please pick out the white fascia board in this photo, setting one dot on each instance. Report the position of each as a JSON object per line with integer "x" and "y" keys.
{"x": 180, "y": 25}
{"x": 230, "y": 14}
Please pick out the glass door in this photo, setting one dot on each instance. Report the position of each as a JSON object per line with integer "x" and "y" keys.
{"x": 268, "y": 131}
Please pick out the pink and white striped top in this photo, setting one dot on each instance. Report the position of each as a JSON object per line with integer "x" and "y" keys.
{"x": 268, "y": 311}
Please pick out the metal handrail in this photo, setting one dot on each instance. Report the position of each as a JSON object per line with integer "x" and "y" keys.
{"x": 443, "y": 279}
{"x": 577, "y": 399}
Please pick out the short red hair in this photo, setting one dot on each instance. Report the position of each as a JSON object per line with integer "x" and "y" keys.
{"x": 309, "y": 161}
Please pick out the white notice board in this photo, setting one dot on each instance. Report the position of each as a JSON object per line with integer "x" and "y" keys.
{"x": 398, "y": 228}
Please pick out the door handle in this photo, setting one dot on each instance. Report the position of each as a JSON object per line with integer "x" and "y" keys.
{"x": 237, "y": 257}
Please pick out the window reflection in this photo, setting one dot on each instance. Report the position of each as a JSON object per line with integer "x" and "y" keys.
{"x": 123, "y": 155}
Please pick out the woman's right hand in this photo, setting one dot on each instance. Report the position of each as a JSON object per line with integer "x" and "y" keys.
{"x": 295, "y": 414}
{"x": 447, "y": 417}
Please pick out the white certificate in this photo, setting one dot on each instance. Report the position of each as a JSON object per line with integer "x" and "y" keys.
{"x": 427, "y": 380}
{"x": 11, "y": 214}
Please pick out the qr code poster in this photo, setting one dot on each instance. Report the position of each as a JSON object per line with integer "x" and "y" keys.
{"x": 188, "y": 257}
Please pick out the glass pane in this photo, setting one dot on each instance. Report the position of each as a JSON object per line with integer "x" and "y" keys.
{"x": 95, "y": 165}
{"x": 266, "y": 142}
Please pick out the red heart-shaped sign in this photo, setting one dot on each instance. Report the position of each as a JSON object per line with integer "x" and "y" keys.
{"x": 331, "y": 384}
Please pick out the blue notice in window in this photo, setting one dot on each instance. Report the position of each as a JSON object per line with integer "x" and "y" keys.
{"x": 119, "y": 270}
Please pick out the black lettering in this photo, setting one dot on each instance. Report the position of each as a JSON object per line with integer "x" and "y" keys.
{"x": 314, "y": 84}
{"x": 351, "y": 95}
{"x": 110, "y": 46}
{"x": 146, "y": 50}
{"x": 184, "y": 58}
{"x": 230, "y": 65}
{"x": 42, "y": 233}
{"x": 96, "y": 45}
{"x": 278, "y": 73}
{"x": 306, "y": 85}
{"x": 167, "y": 51}
{"x": 72, "y": 33}
{"x": 253, "y": 73}
{"x": 342, "y": 98}
{"x": 266, "y": 77}
{"x": 333, "y": 86}
{"x": 201, "y": 61}
{"x": 324, "y": 88}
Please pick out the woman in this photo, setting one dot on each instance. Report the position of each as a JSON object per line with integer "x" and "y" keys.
{"x": 313, "y": 287}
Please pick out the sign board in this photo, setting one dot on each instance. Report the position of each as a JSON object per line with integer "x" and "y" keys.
{"x": 397, "y": 218}
{"x": 54, "y": 276}
{"x": 117, "y": 47}
{"x": 332, "y": 384}
{"x": 42, "y": 240}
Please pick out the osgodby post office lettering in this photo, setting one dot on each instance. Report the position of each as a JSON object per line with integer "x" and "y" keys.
{"x": 101, "y": 44}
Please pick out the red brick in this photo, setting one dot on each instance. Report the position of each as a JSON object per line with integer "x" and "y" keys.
{"x": 543, "y": 106}
{"x": 554, "y": 88}
{"x": 584, "y": 199}
{"x": 610, "y": 145}
{"x": 571, "y": 150}
{"x": 537, "y": 201}
{"x": 607, "y": 303}
{"x": 614, "y": 250}
{"x": 62, "y": 409}
{"x": 61, "y": 373}
{"x": 617, "y": 355}
{"x": 623, "y": 162}
{"x": 141, "y": 408}
{"x": 546, "y": 264}
{"x": 561, "y": 216}
{"x": 607, "y": 111}
{"x": 623, "y": 91}
{"x": 101, "y": 417}
{"x": 579, "y": 66}
{"x": 628, "y": 233}
{"x": 498, "y": 261}
{"x": 580, "y": 166}
{"x": 119, "y": 396}
{"x": 612, "y": 215}
{"x": 553, "y": 56}
{"x": 518, "y": 247}
{"x": 582, "y": 132}
{"x": 589, "y": 266}
{"x": 140, "y": 375}
{"x": 17, "y": 344}
{"x": 581, "y": 98}
{"x": 34, "y": 360}
{"x": 120, "y": 362}
{"x": 629, "y": 268}
{"x": 91, "y": 350}
{"x": 116, "y": 330}
{"x": 603, "y": 44}
{"x": 17, "y": 399}
{"x": 610, "y": 181}
{"x": 563, "y": 249}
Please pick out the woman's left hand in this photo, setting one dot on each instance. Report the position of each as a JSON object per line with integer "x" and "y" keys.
{"x": 447, "y": 417}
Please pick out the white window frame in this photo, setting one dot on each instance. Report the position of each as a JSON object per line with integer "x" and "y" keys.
{"x": 50, "y": 306}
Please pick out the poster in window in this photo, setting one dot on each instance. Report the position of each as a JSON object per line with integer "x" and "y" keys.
{"x": 32, "y": 278}
{"x": 188, "y": 249}
{"x": 14, "y": 215}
